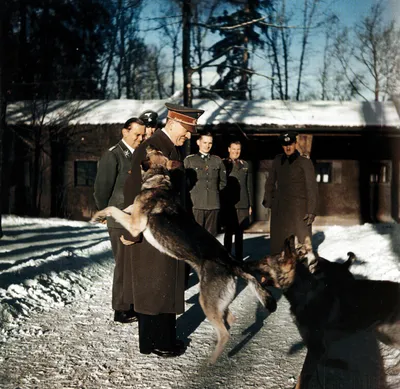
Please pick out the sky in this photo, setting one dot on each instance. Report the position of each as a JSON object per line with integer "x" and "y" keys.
{"x": 56, "y": 328}
{"x": 349, "y": 13}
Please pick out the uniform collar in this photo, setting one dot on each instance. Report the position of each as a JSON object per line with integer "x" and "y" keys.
{"x": 166, "y": 133}
{"x": 131, "y": 149}
{"x": 204, "y": 156}
{"x": 291, "y": 158}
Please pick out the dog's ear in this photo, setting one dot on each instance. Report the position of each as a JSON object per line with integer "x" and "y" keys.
{"x": 289, "y": 247}
{"x": 352, "y": 258}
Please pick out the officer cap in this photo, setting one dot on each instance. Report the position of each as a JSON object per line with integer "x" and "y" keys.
{"x": 287, "y": 138}
{"x": 149, "y": 118}
{"x": 184, "y": 115}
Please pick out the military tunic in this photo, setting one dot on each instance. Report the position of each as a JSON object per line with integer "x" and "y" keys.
{"x": 207, "y": 178}
{"x": 291, "y": 192}
{"x": 210, "y": 178}
{"x": 112, "y": 171}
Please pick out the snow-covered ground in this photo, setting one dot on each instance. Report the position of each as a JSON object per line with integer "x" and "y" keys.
{"x": 57, "y": 331}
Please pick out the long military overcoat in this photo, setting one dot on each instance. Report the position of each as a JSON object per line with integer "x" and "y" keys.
{"x": 112, "y": 172}
{"x": 291, "y": 192}
{"x": 158, "y": 280}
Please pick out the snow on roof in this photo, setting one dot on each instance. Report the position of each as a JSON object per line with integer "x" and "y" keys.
{"x": 257, "y": 112}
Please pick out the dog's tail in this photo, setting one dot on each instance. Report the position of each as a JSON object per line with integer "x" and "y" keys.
{"x": 265, "y": 297}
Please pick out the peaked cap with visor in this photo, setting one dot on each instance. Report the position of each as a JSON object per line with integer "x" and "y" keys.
{"x": 288, "y": 138}
{"x": 184, "y": 115}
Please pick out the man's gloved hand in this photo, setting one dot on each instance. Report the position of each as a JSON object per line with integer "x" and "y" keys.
{"x": 309, "y": 218}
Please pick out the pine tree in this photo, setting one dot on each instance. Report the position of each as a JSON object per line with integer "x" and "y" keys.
{"x": 241, "y": 31}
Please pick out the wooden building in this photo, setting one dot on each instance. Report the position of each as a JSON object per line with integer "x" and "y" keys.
{"x": 52, "y": 151}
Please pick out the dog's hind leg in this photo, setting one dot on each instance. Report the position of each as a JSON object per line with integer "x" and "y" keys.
{"x": 230, "y": 319}
{"x": 214, "y": 308}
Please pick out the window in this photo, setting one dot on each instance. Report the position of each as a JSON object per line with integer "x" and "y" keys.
{"x": 85, "y": 173}
{"x": 379, "y": 173}
{"x": 323, "y": 172}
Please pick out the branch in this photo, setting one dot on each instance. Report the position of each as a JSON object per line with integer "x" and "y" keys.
{"x": 249, "y": 71}
{"x": 260, "y": 20}
{"x": 205, "y": 64}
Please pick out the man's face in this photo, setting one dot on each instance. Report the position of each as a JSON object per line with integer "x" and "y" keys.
{"x": 134, "y": 135}
{"x": 178, "y": 133}
{"x": 205, "y": 143}
{"x": 234, "y": 151}
{"x": 149, "y": 132}
{"x": 289, "y": 149}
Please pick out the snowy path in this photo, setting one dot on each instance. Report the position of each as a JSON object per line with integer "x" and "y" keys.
{"x": 61, "y": 334}
{"x": 80, "y": 347}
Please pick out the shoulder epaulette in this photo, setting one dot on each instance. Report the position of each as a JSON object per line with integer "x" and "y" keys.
{"x": 190, "y": 155}
{"x": 213, "y": 155}
{"x": 112, "y": 148}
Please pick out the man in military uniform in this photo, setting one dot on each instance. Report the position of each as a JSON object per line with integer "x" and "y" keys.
{"x": 292, "y": 194}
{"x": 209, "y": 176}
{"x": 112, "y": 171}
{"x": 237, "y": 199}
{"x": 159, "y": 280}
{"x": 150, "y": 119}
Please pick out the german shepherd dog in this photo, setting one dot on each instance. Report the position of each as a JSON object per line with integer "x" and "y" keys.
{"x": 330, "y": 303}
{"x": 171, "y": 230}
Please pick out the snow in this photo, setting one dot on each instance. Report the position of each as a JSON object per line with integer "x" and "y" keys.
{"x": 332, "y": 114}
{"x": 57, "y": 331}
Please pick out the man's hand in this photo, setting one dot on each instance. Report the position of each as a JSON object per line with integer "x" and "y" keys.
{"x": 126, "y": 242}
{"x": 309, "y": 218}
{"x": 250, "y": 211}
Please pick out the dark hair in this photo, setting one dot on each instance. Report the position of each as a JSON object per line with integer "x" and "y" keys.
{"x": 235, "y": 142}
{"x": 205, "y": 133}
{"x": 133, "y": 120}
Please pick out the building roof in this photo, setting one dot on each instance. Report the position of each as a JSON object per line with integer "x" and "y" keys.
{"x": 258, "y": 113}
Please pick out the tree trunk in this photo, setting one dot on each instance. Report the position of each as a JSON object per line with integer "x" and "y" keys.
{"x": 3, "y": 102}
{"x": 187, "y": 70}
{"x": 112, "y": 51}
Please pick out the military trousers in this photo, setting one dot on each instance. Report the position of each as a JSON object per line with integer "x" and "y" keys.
{"x": 122, "y": 291}
{"x": 235, "y": 224}
{"x": 208, "y": 219}
{"x": 156, "y": 331}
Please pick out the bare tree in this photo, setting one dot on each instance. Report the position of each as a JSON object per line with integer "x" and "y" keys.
{"x": 279, "y": 43}
{"x": 172, "y": 29}
{"x": 369, "y": 58}
{"x": 325, "y": 71}
{"x": 4, "y": 17}
{"x": 378, "y": 51}
{"x": 200, "y": 12}
{"x": 310, "y": 7}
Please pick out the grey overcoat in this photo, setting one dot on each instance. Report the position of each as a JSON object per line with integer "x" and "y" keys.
{"x": 291, "y": 192}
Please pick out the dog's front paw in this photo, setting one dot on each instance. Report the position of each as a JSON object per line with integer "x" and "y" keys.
{"x": 98, "y": 217}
